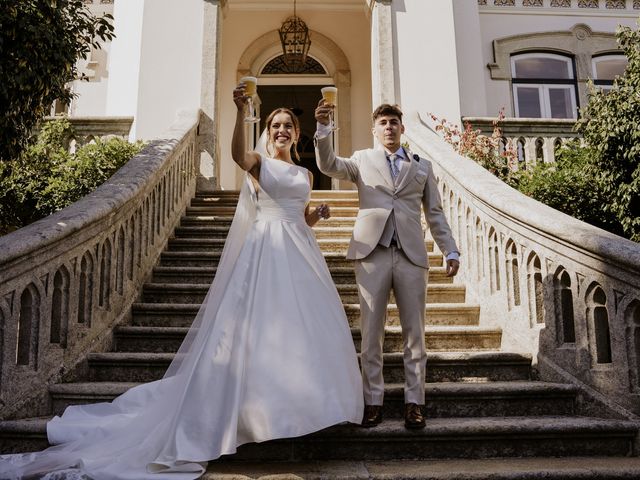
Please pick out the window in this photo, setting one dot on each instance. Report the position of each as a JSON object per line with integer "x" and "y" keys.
{"x": 606, "y": 68}
{"x": 544, "y": 86}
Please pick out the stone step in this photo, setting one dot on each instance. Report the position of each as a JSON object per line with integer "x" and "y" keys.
{"x": 229, "y": 210}
{"x": 536, "y": 468}
{"x": 446, "y": 399}
{"x": 341, "y": 270}
{"x": 206, "y": 220}
{"x": 315, "y": 194}
{"x": 201, "y": 267}
{"x": 196, "y": 292}
{"x": 437, "y": 275}
{"x": 442, "y": 366}
{"x": 437, "y": 338}
{"x": 215, "y": 244}
{"x": 227, "y": 201}
{"x": 218, "y": 193}
{"x": 463, "y": 438}
{"x": 329, "y": 194}
{"x": 160, "y": 314}
{"x": 202, "y": 231}
{"x": 213, "y": 221}
{"x": 212, "y": 257}
{"x": 436, "y": 313}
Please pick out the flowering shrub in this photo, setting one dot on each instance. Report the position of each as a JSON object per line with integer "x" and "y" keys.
{"x": 494, "y": 153}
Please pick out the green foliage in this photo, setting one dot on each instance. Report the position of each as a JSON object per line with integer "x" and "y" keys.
{"x": 610, "y": 126}
{"x": 47, "y": 178}
{"x": 571, "y": 185}
{"x": 40, "y": 41}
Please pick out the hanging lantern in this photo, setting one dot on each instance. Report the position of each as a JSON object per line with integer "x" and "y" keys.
{"x": 294, "y": 37}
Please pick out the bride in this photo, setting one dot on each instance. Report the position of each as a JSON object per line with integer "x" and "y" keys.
{"x": 269, "y": 354}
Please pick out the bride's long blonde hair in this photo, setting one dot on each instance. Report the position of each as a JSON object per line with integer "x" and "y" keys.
{"x": 296, "y": 126}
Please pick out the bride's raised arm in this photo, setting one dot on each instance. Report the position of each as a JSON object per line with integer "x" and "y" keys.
{"x": 247, "y": 160}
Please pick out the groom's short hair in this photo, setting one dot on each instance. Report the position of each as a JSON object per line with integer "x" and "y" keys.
{"x": 387, "y": 109}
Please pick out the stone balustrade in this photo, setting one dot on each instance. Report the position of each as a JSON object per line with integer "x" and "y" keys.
{"x": 611, "y": 6}
{"x": 535, "y": 139}
{"x": 68, "y": 279}
{"x": 562, "y": 290}
{"x": 87, "y": 129}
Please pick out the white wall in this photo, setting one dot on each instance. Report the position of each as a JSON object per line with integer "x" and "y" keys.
{"x": 91, "y": 97}
{"x": 473, "y": 97}
{"x": 124, "y": 63}
{"x": 155, "y": 67}
{"x": 428, "y": 80}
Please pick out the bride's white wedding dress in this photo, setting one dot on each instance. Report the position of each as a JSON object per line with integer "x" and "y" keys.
{"x": 270, "y": 355}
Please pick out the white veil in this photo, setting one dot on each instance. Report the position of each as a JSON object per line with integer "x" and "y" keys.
{"x": 136, "y": 432}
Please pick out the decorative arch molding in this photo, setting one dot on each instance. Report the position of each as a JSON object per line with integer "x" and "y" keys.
{"x": 326, "y": 52}
{"x": 267, "y": 46}
{"x": 580, "y": 42}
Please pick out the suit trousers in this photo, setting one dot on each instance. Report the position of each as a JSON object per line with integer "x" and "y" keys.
{"x": 388, "y": 268}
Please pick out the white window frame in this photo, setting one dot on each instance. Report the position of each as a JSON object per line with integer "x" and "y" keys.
{"x": 543, "y": 98}
{"x": 543, "y": 88}
{"x": 553, "y": 56}
{"x": 599, "y": 58}
{"x": 594, "y": 70}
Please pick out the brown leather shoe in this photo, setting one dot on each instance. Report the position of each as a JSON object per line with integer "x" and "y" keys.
{"x": 372, "y": 416}
{"x": 413, "y": 416}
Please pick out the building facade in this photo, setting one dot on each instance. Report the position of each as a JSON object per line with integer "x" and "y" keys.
{"x": 453, "y": 58}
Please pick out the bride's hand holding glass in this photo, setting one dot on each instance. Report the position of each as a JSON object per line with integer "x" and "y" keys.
{"x": 243, "y": 96}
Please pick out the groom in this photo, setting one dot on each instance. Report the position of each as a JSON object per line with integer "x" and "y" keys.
{"x": 389, "y": 249}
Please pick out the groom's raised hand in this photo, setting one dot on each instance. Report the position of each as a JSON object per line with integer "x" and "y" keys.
{"x": 323, "y": 111}
{"x": 452, "y": 267}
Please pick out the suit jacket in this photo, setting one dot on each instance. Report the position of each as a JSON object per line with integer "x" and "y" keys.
{"x": 380, "y": 198}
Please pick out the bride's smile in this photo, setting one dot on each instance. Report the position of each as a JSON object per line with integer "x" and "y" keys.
{"x": 282, "y": 131}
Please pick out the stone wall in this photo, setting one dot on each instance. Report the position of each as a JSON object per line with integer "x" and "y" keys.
{"x": 68, "y": 279}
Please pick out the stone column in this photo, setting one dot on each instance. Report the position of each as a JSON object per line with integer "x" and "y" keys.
{"x": 382, "y": 53}
{"x": 209, "y": 175}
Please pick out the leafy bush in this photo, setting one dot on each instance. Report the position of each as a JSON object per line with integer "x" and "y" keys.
{"x": 47, "y": 178}
{"x": 609, "y": 125}
{"x": 572, "y": 186}
{"x": 41, "y": 41}
{"x": 493, "y": 153}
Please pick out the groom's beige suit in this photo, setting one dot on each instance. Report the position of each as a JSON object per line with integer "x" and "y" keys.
{"x": 389, "y": 250}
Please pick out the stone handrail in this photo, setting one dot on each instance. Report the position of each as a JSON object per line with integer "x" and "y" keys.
{"x": 68, "y": 279}
{"x": 562, "y": 290}
{"x": 87, "y": 129}
{"x": 535, "y": 139}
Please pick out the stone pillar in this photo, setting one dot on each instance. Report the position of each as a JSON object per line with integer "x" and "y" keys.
{"x": 209, "y": 175}
{"x": 382, "y": 53}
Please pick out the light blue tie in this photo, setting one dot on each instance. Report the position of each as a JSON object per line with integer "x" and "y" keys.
{"x": 394, "y": 166}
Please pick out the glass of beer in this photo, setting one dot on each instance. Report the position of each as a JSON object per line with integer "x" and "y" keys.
{"x": 251, "y": 89}
{"x": 330, "y": 96}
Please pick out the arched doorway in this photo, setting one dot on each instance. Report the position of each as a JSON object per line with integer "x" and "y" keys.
{"x": 300, "y": 91}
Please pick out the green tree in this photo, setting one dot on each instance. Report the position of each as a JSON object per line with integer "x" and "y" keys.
{"x": 571, "y": 185}
{"x": 40, "y": 43}
{"x": 610, "y": 126}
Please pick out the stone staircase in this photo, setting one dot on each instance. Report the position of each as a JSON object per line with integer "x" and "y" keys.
{"x": 488, "y": 417}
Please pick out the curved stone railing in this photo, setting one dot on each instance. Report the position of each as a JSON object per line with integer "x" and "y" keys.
{"x": 562, "y": 290}
{"x": 66, "y": 280}
{"x": 88, "y": 129}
